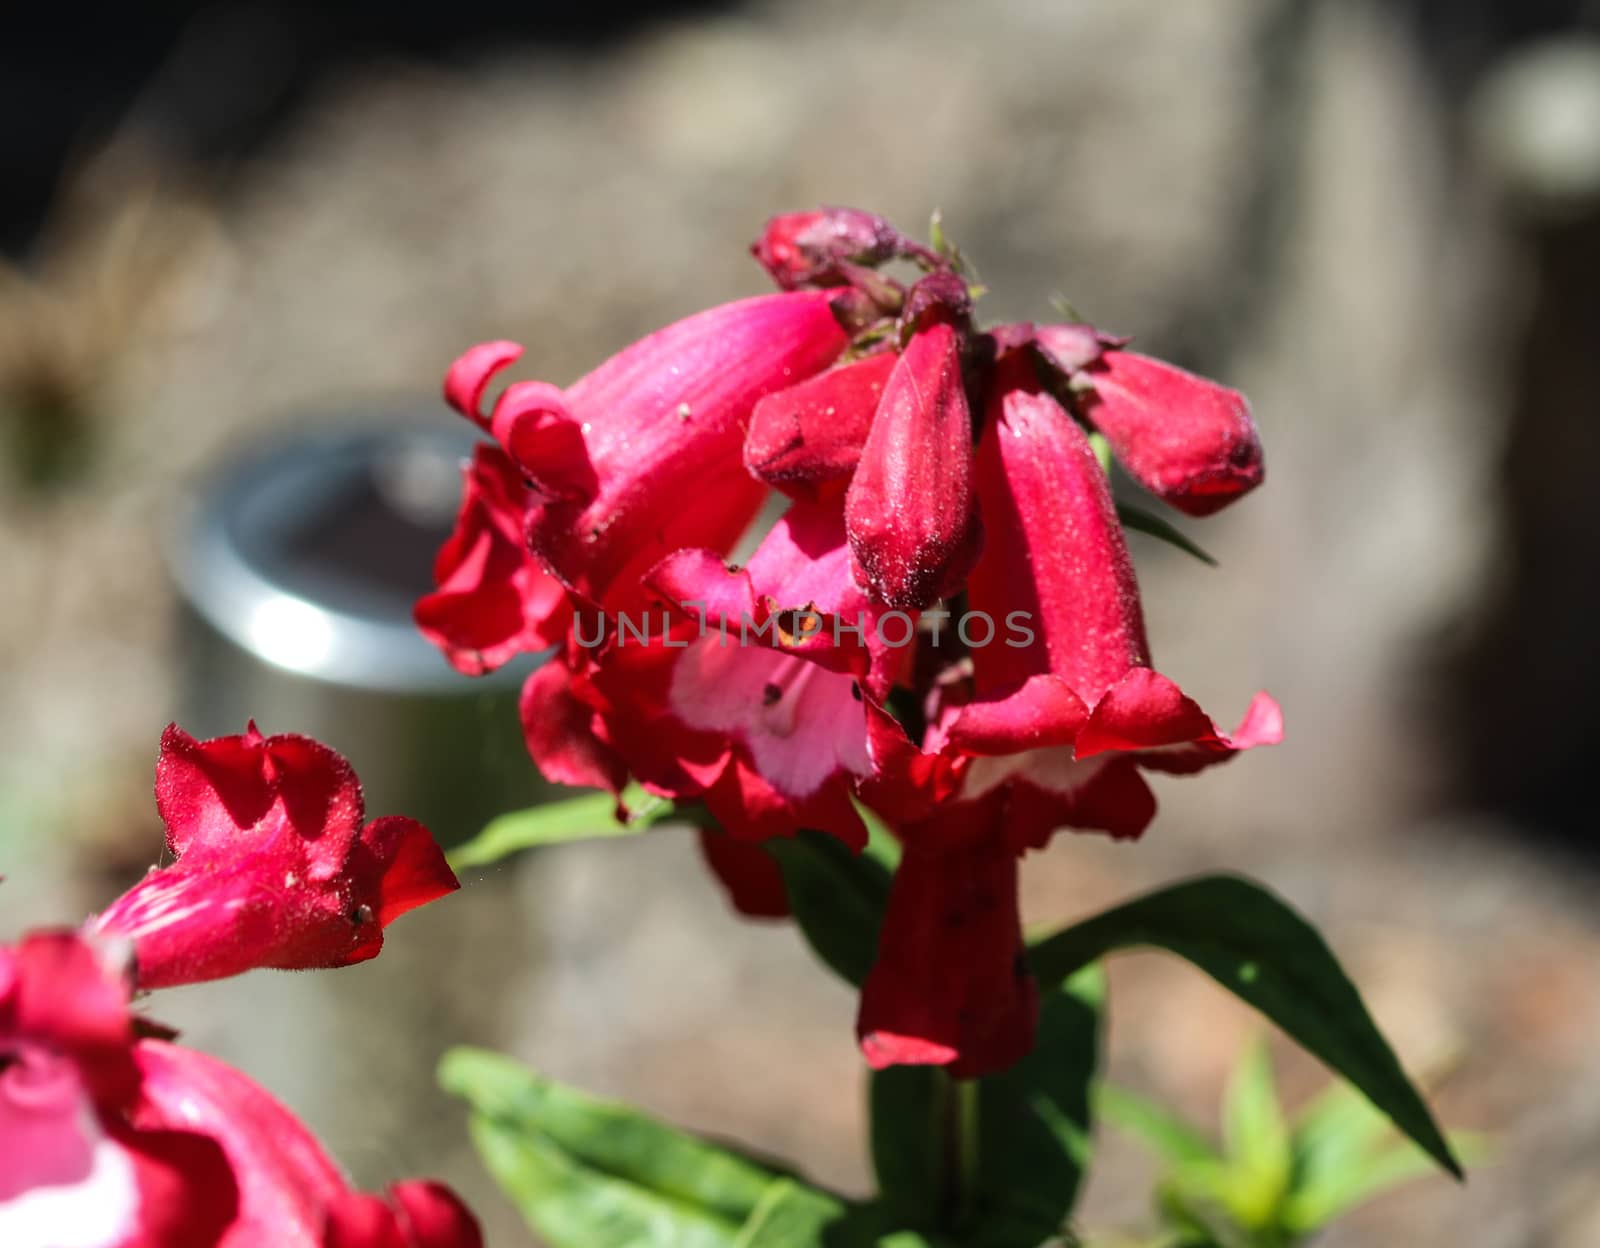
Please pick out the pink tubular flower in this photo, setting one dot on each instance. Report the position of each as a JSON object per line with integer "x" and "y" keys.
{"x": 641, "y": 456}
{"x": 291, "y": 1193}
{"x": 274, "y": 866}
{"x": 1189, "y": 441}
{"x": 910, "y": 512}
{"x": 949, "y": 986}
{"x": 74, "y": 1170}
{"x": 754, "y": 704}
{"x": 1069, "y": 718}
{"x": 111, "y": 1141}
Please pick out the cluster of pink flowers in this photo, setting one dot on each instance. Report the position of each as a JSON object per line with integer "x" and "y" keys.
{"x": 113, "y": 1136}
{"x": 926, "y": 460}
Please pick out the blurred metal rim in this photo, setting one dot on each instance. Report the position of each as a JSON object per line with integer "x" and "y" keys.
{"x": 230, "y": 557}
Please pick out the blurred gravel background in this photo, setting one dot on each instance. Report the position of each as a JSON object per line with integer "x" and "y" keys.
{"x": 1338, "y": 207}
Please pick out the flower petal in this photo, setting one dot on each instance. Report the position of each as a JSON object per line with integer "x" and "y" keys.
{"x": 273, "y": 867}
{"x": 286, "y": 1182}
{"x": 434, "y": 1216}
{"x": 471, "y": 373}
{"x": 806, "y": 440}
{"x": 748, "y": 874}
{"x": 1042, "y": 712}
{"x": 493, "y": 601}
{"x": 559, "y": 728}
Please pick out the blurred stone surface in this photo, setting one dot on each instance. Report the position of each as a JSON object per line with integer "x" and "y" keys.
{"x": 1287, "y": 220}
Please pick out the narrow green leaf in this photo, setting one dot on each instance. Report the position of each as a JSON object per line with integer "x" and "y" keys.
{"x": 590, "y": 817}
{"x": 1034, "y": 1122}
{"x": 1257, "y": 1139}
{"x": 1345, "y": 1154}
{"x": 1253, "y": 944}
{"x": 791, "y": 1215}
{"x": 838, "y": 899}
{"x": 1163, "y": 1132}
{"x": 571, "y": 1205}
{"x": 1151, "y": 525}
{"x": 612, "y": 1139}
{"x": 1311, "y": 1208}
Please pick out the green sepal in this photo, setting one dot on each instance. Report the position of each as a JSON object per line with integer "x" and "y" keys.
{"x": 1138, "y": 520}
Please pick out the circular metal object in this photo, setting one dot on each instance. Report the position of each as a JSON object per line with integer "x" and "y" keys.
{"x": 297, "y": 565}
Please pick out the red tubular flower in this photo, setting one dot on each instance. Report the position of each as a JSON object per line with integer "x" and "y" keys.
{"x": 807, "y": 439}
{"x": 641, "y": 457}
{"x": 74, "y": 1170}
{"x": 494, "y": 601}
{"x": 949, "y": 987}
{"x": 274, "y": 866}
{"x": 1189, "y": 441}
{"x": 910, "y": 512}
{"x": 1068, "y": 718}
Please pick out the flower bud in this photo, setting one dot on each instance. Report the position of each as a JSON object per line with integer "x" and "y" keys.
{"x": 910, "y": 512}
{"x": 1191, "y": 442}
{"x": 806, "y": 248}
{"x": 941, "y": 298}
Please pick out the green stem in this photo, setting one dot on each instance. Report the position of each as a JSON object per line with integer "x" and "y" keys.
{"x": 967, "y": 1091}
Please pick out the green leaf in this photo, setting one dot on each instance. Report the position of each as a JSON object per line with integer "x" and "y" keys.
{"x": 1312, "y": 1208}
{"x": 908, "y": 1108}
{"x": 607, "y": 1138}
{"x": 1034, "y": 1122}
{"x": 791, "y": 1215}
{"x": 590, "y": 817}
{"x": 1257, "y": 1138}
{"x": 1253, "y": 944}
{"x": 1163, "y": 1132}
{"x": 1151, "y": 525}
{"x": 1345, "y": 1155}
{"x": 883, "y": 846}
{"x": 572, "y": 1205}
{"x": 838, "y": 899}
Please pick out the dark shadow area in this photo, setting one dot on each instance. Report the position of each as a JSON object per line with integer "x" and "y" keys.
{"x": 212, "y": 81}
